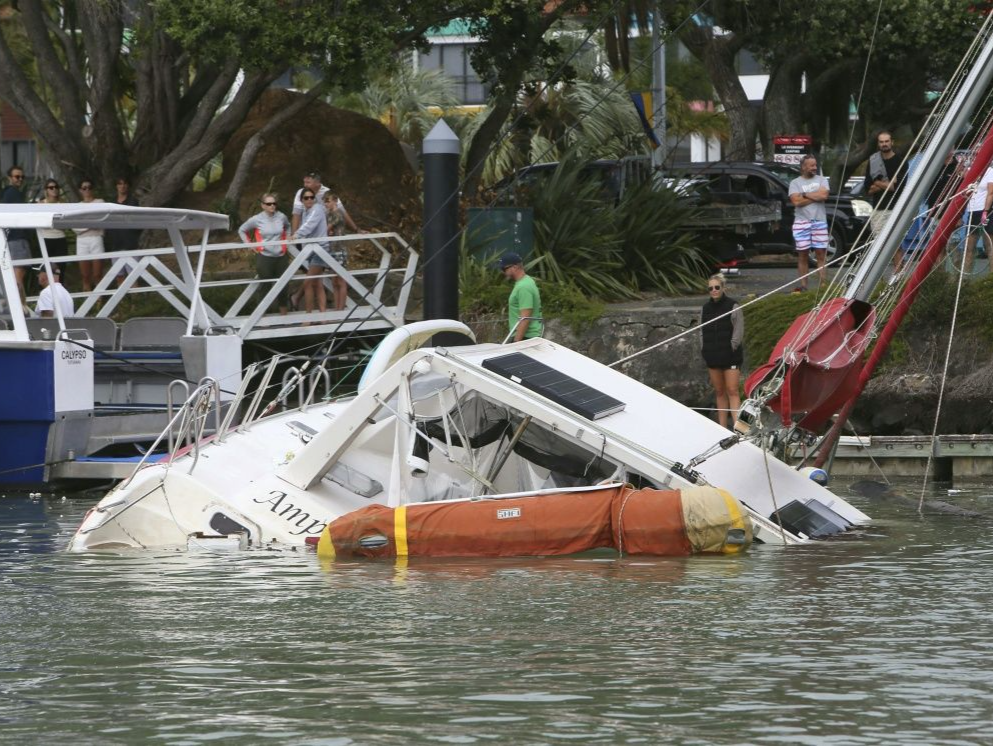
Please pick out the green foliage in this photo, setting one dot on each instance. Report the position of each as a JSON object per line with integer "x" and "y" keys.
{"x": 346, "y": 39}
{"x": 611, "y": 251}
{"x": 916, "y": 45}
{"x": 766, "y": 322}
{"x": 575, "y": 236}
{"x": 592, "y": 118}
{"x": 658, "y": 247}
{"x": 934, "y": 304}
{"x": 564, "y": 300}
{"x": 408, "y": 102}
{"x": 483, "y": 291}
{"x": 931, "y": 313}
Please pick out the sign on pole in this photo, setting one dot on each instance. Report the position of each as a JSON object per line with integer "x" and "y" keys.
{"x": 790, "y": 148}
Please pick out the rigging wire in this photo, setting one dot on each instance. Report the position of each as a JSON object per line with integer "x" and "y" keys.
{"x": 941, "y": 387}
{"x": 858, "y": 105}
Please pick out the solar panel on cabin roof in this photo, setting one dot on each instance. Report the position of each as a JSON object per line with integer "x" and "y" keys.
{"x": 535, "y": 376}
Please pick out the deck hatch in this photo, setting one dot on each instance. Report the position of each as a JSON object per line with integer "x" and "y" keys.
{"x": 555, "y": 385}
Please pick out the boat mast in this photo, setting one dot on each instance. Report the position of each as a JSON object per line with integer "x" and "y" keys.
{"x": 873, "y": 268}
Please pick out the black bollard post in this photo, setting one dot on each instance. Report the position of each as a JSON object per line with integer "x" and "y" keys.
{"x": 441, "y": 228}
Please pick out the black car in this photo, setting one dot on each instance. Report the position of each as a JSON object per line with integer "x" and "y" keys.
{"x": 737, "y": 181}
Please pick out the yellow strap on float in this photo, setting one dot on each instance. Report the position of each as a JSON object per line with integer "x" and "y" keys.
{"x": 400, "y": 530}
{"x": 734, "y": 513}
{"x": 325, "y": 547}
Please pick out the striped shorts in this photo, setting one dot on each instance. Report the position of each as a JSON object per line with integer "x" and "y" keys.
{"x": 810, "y": 234}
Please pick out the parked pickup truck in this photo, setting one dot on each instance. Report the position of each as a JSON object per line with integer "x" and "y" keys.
{"x": 727, "y": 223}
{"x": 743, "y": 206}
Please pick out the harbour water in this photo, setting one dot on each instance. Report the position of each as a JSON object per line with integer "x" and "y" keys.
{"x": 884, "y": 636}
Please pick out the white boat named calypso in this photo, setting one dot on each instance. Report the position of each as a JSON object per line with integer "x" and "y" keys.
{"x": 479, "y": 450}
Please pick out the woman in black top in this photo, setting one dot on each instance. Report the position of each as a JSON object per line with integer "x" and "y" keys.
{"x": 722, "y": 347}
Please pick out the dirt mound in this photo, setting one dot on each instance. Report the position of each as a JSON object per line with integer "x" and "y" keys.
{"x": 355, "y": 155}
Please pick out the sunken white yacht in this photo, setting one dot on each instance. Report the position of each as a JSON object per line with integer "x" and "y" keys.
{"x": 532, "y": 436}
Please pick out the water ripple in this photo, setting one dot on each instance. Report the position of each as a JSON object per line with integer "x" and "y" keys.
{"x": 882, "y": 637}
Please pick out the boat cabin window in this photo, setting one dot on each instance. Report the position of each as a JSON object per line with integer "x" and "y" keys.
{"x": 510, "y": 450}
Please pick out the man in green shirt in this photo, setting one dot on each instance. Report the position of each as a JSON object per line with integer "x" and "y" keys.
{"x": 524, "y": 305}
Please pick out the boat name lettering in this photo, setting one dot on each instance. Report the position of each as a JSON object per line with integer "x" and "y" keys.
{"x": 505, "y": 513}
{"x": 73, "y": 354}
{"x": 292, "y": 514}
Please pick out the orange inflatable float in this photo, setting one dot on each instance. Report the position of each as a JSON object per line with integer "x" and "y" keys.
{"x": 645, "y": 521}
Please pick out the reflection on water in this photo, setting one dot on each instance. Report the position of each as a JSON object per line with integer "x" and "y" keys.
{"x": 879, "y": 637}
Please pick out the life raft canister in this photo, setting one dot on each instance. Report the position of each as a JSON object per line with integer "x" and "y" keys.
{"x": 655, "y": 522}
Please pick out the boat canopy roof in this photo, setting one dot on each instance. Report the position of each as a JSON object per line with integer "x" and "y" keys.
{"x": 107, "y": 215}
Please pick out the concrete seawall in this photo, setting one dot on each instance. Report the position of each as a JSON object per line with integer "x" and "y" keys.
{"x": 897, "y": 408}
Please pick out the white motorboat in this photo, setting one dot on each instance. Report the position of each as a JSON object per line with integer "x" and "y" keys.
{"x": 477, "y": 424}
{"x": 83, "y": 390}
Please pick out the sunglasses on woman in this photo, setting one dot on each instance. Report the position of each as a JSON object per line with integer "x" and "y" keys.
{"x": 307, "y": 199}
{"x": 269, "y": 204}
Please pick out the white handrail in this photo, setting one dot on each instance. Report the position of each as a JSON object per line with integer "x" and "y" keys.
{"x": 373, "y": 302}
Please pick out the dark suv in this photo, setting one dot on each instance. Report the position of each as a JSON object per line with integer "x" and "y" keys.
{"x": 751, "y": 181}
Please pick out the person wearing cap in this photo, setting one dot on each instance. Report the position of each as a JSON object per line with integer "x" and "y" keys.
{"x": 312, "y": 181}
{"x": 53, "y": 293}
{"x": 524, "y": 304}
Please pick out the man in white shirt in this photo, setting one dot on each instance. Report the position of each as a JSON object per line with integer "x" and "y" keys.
{"x": 312, "y": 181}
{"x": 977, "y": 218}
{"x": 52, "y": 294}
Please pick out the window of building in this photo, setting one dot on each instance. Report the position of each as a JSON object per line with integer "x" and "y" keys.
{"x": 18, "y": 152}
{"x": 453, "y": 60}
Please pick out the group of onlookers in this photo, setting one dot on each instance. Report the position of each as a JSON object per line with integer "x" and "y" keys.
{"x": 90, "y": 242}
{"x": 317, "y": 213}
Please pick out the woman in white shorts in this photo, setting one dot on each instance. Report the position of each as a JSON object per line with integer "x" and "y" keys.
{"x": 89, "y": 242}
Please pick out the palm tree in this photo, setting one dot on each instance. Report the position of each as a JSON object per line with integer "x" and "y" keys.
{"x": 407, "y": 101}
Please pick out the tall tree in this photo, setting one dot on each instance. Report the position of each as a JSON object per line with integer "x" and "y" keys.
{"x": 915, "y": 45}
{"x": 155, "y": 89}
{"x": 517, "y": 53}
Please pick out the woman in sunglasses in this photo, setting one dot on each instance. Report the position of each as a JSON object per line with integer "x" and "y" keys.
{"x": 55, "y": 240}
{"x": 89, "y": 242}
{"x": 313, "y": 224}
{"x": 268, "y": 232}
{"x": 723, "y": 330}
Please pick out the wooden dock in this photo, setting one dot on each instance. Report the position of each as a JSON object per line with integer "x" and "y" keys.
{"x": 953, "y": 456}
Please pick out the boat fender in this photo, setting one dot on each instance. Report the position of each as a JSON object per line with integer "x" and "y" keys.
{"x": 815, "y": 474}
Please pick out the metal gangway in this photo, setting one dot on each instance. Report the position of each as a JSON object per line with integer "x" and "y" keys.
{"x": 215, "y": 286}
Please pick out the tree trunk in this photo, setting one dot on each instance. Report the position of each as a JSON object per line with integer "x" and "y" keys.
{"x": 781, "y": 103}
{"x": 511, "y": 78}
{"x": 484, "y": 138}
{"x": 256, "y": 142}
{"x": 163, "y": 181}
{"x": 717, "y": 54}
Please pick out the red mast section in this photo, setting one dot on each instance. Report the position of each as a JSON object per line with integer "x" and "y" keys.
{"x": 820, "y": 357}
